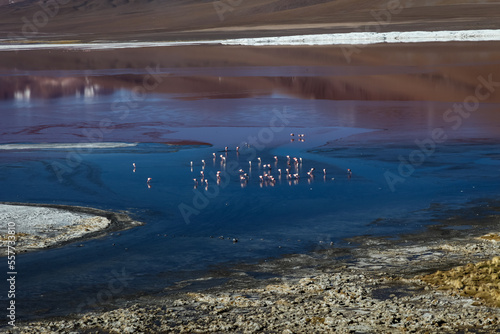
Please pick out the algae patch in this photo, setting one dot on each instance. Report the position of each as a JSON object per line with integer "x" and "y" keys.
{"x": 491, "y": 237}
{"x": 480, "y": 280}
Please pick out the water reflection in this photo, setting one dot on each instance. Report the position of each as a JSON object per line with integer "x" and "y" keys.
{"x": 363, "y": 87}
{"x": 447, "y": 73}
{"x": 22, "y": 88}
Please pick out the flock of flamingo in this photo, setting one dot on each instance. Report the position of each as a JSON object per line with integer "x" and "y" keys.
{"x": 269, "y": 174}
{"x": 291, "y": 172}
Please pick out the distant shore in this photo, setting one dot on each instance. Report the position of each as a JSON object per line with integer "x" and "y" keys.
{"x": 352, "y": 38}
{"x": 39, "y": 226}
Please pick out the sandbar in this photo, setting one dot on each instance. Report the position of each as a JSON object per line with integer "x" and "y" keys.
{"x": 36, "y": 227}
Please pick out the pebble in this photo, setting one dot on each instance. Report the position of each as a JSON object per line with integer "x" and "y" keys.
{"x": 345, "y": 300}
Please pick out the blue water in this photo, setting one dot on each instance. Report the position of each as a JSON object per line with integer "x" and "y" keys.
{"x": 268, "y": 219}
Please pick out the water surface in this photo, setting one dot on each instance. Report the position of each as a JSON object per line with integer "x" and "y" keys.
{"x": 76, "y": 146}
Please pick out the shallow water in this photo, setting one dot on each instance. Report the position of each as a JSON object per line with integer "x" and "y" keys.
{"x": 93, "y": 144}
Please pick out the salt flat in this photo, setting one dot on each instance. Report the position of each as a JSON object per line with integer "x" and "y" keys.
{"x": 352, "y": 38}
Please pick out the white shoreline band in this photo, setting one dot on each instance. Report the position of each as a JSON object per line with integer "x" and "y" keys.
{"x": 353, "y": 38}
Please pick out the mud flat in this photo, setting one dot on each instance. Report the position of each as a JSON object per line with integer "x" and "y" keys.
{"x": 428, "y": 282}
{"x": 42, "y": 226}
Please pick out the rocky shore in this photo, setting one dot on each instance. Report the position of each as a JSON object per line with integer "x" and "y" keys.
{"x": 381, "y": 286}
{"x": 35, "y": 227}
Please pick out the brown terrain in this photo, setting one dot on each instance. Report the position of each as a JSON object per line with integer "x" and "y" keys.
{"x": 172, "y": 20}
{"x": 430, "y": 72}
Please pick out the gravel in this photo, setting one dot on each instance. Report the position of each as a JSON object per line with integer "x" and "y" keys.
{"x": 379, "y": 289}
